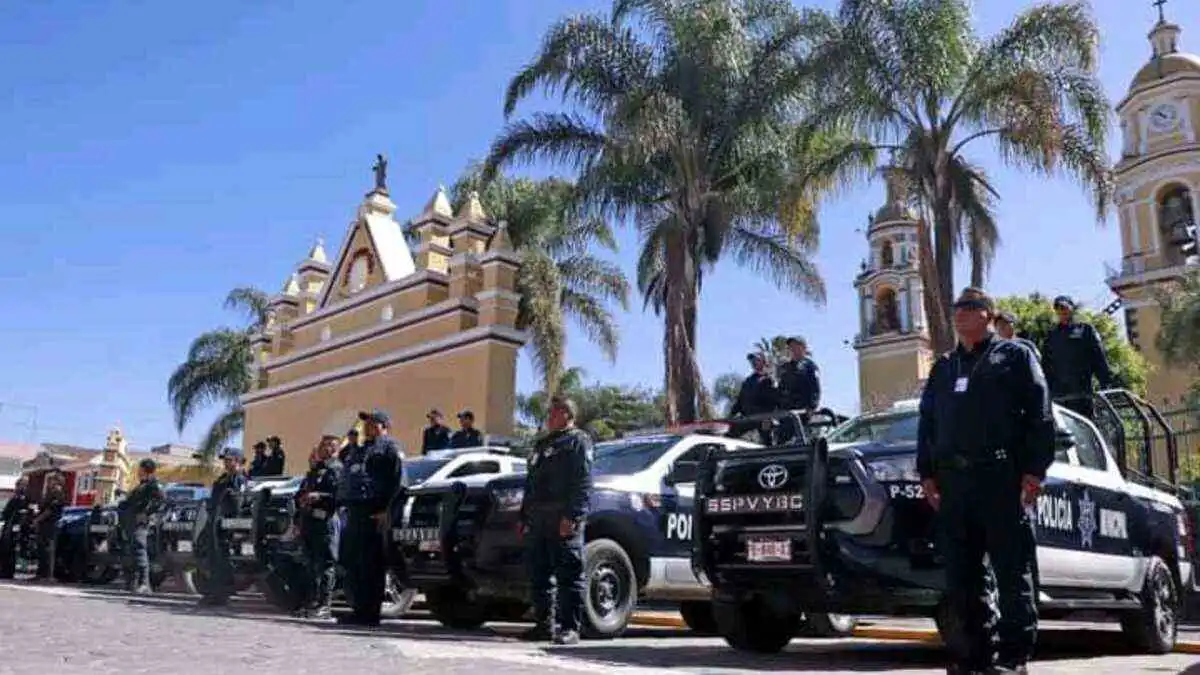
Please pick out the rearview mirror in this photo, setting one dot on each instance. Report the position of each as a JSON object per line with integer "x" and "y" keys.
{"x": 1064, "y": 440}
{"x": 682, "y": 472}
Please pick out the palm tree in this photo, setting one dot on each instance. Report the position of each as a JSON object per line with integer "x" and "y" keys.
{"x": 911, "y": 76}
{"x": 683, "y": 120}
{"x": 559, "y": 277}
{"x": 217, "y": 371}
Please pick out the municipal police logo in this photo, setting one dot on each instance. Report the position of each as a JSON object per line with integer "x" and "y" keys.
{"x": 996, "y": 358}
{"x": 1087, "y": 520}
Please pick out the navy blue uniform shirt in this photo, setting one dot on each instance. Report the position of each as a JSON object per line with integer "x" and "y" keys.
{"x": 987, "y": 405}
{"x": 225, "y": 500}
{"x": 371, "y": 474}
{"x": 1074, "y": 355}
{"x": 466, "y": 438}
{"x": 322, "y": 479}
{"x": 800, "y": 385}
{"x": 558, "y": 482}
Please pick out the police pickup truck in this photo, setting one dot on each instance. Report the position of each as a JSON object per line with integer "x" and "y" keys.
{"x": 842, "y": 525}
{"x": 462, "y": 548}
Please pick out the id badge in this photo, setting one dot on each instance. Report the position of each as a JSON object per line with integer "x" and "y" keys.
{"x": 960, "y": 385}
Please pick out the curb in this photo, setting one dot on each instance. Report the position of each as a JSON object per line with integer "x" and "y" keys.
{"x": 928, "y": 635}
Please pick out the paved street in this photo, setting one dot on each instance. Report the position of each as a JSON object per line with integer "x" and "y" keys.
{"x": 65, "y": 629}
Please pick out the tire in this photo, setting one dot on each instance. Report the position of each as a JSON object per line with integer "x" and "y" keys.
{"x": 750, "y": 626}
{"x": 952, "y": 630}
{"x": 829, "y": 625}
{"x": 280, "y": 594}
{"x": 610, "y": 594}
{"x": 1154, "y": 627}
{"x": 397, "y": 599}
{"x": 452, "y": 608}
{"x": 698, "y": 615}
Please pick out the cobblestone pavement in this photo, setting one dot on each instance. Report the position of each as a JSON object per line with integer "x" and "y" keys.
{"x": 67, "y": 630}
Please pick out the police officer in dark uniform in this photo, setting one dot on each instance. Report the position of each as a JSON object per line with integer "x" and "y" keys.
{"x": 45, "y": 523}
{"x": 224, "y": 501}
{"x": 369, "y": 479}
{"x": 558, "y": 489}
{"x": 985, "y": 441}
{"x": 8, "y": 538}
{"x": 467, "y": 435}
{"x": 1074, "y": 355}
{"x": 134, "y": 514}
{"x": 349, "y": 447}
{"x": 317, "y": 506}
{"x": 1006, "y": 328}
{"x": 437, "y": 435}
{"x": 259, "y": 463}
{"x": 757, "y": 396}
{"x": 799, "y": 385}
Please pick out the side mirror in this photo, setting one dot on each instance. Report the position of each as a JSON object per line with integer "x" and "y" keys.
{"x": 682, "y": 472}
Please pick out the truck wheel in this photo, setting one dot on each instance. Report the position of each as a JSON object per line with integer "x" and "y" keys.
{"x": 698, "y": 615}
{"x": 452, "y": 608}
{"x": 951, "y": 629}
{"x": 397, "y": 599}
{"x": 611, "y": 592}
{"x": 751, "y": 626}
{"x": 829, "y": 625}
{"x": 1153, "y": 627}
{"x": 277, "y": 591}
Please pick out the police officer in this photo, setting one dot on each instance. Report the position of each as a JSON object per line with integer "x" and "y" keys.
{"x": 317, "y": 506}
{"x": 1006, "y": 327}
{"x": 984, "y": 442}
{"x": 258, "y": 465}
{"x": 349, "y": 447}
{"x": 45, "y": 523}
{"x": 757, "y": 396}
{"x": 8, "y": 538}
{"x": 225, "y": 501}
{"x": 1074, "y": 355}
{"x": 558, "y": 489}
{"x": 133, "y": 514}
{"x": 437, "y": 435}
{"x": 369, "y": 479}
{"x": 799, "y": 384}
{"x": 467, "y": 435}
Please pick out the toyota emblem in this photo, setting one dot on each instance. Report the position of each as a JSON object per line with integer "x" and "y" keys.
{"x": 773, "y": 476}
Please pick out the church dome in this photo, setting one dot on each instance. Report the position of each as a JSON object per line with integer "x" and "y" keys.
{"x": 1167, "y": 60}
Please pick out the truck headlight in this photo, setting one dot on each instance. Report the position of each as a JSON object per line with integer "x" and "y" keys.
{"x": 896, "y": 468}
{"x": 508, "y": 500}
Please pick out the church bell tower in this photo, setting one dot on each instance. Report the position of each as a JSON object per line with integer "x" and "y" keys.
{"x": 1157, "y": 197}
{"x": 894, "y": 355}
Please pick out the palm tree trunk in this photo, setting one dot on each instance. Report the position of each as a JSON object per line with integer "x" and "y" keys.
{"x": 941, "y": 332}
{"x": 935, "y": 311}
{"x": 978, "y": 264}
{"x": 678, "y": 344}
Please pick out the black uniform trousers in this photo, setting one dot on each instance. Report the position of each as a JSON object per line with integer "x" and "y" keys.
{"x": 220, "y": 584}
{"x": 362, "y": 558}
{"x": 137, "y": 554}
{"x": 556, "y": 575}
{"x": 8, "y": 554}
{"x": 47, "y": 536}
{"x": 981, "y": 513}
{"x": 318, "y": 539}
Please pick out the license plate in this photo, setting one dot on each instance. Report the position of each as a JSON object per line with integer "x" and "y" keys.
{"x": 248, "y": 550}
{"x": 431, "y": 546}
{"x": 417, "y": 533}
{"x": 98, "y": 529}
{"x": 183, "y": 546}
{"x": 177, "y": 526}
{"x": 769, "y": 550}
{"x": 237, "y": 523}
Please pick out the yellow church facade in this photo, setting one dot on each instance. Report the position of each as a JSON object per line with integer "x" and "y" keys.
{"x": 383, "y": 326}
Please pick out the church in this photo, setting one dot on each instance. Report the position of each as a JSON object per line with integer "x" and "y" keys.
{"x": 1157, "y": 183}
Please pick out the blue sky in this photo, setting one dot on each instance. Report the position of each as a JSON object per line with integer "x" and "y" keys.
{"x": 156, "y": 155}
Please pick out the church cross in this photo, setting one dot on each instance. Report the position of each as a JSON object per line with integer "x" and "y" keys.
{"x": 1159, "y": 4}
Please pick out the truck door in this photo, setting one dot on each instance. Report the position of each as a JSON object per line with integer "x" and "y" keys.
{"x": 679, "y": 497}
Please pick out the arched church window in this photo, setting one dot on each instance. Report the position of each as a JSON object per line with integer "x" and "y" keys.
{"x": 887, "y": 312}
{"x": 1177, "y": 222}
{"x": 887, "y": 254}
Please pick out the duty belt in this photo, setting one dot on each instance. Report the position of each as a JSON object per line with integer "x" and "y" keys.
{"x": 1000, "y": 456}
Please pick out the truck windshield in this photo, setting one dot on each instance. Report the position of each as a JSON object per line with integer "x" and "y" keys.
{"x": 893, "y": 428}
{"x": 631, "y": 455}
{"x": 419, "y": 470}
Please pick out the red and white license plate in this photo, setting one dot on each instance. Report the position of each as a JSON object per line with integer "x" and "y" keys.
{"x": 768, "y": 550}
{"x": 429, "y": 546}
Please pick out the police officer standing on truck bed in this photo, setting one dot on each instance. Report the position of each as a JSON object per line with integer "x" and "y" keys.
{"x": 133, "y": 514}
{"x": 1006, "y": 327}
{"x": 437, "y": 435}
{"x": 984, "y": 442}
{"x": 369, "y": 479}
{"x": 757, "y": 396}
{"x": 319, "y": 526}
{"x": 799, "y": 385}
{"x": 1074, "y": 355}
{"x": 45, "y": 523}
{"x": 224, "y": 501}
{"x": 467, "y": 435}
{"x": 558, "y": 488}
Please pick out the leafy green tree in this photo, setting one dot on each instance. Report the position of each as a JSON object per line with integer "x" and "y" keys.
{"x": 560, "y": 278}
{"x": 1035, "y": 319}
{"x": 1179, "y": 333}
{"x": 682, "y": 119}
{"x": 605, "y": 410}
{"x": 217, "y": 371}
{"x": 912, "y": 77}
{"x": 725, "y": 390}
